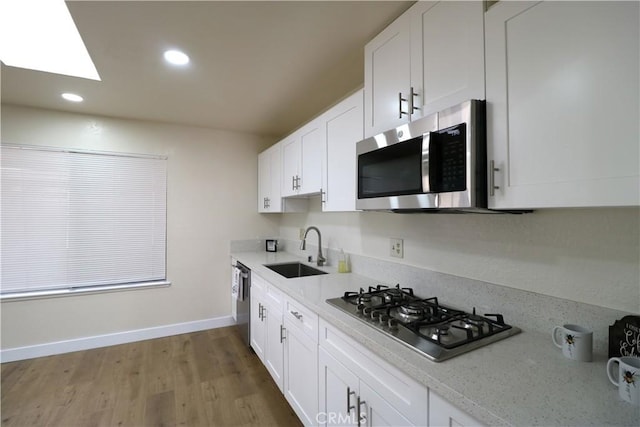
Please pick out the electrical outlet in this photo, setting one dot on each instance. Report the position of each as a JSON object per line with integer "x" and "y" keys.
{"x": 301, "y": 233}
{"x": 397, "y": 248}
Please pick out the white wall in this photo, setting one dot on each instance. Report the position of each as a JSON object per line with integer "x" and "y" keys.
{"x": 584, "y": 255}
{"x": 212, "y": 184}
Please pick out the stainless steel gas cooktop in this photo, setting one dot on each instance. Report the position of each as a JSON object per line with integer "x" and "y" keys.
{"x": 437, "y": 331}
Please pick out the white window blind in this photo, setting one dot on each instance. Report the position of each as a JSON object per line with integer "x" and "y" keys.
{"x": 72, "y": 219}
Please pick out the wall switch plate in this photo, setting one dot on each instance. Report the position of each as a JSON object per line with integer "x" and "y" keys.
{"x": 397, "y": 248}
{"x": 301, "y": 233}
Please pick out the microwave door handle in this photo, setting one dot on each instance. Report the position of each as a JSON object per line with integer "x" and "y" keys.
{"x": 426, "y": 148}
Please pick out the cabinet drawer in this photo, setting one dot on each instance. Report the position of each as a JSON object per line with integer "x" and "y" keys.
{"x": 404, "y": 394}
{"x": 273, "y": 297}
{"x": 302, "y": 318}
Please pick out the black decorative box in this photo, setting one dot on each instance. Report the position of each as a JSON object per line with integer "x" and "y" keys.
{"x": 624, "y": 337}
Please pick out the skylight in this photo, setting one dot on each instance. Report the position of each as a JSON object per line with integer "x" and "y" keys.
{"x": 41, "y": 35}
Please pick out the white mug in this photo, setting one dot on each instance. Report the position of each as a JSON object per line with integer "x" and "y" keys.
{"x": 576, "y": 343}
{"x": 627, "y": 379}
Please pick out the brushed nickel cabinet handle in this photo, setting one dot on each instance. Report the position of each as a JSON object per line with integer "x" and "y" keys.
{"x": 492, "y": 178}
{"x": 412, "y": 104}
{"x": 361, "y": 416}
{"x": 349, "y": 407}
{"x": 282, "y": 329}
{"x": 400, "y": 100}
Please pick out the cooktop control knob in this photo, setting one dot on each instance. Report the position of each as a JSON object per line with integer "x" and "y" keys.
{"x": 392, "y": 323}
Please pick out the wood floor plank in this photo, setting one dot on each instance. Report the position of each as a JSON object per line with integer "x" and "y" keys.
{"x": 207, "y": 378}
{"x": 160, "y": 409}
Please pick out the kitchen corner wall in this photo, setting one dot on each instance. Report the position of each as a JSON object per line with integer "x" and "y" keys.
{"x": 585, "y": 255}
{"x": 212, "y": 180}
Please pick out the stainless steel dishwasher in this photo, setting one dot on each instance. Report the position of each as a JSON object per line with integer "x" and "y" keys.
{"x": 240, "y": 297}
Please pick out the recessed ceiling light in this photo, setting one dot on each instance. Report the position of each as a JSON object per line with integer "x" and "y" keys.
{"x": 176, "y": 57}
{"x": 72, "y": 97}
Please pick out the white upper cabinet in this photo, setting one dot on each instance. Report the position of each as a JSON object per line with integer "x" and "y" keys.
{"x": 344, "y": 128}
{"x": 563, "y": 104}
{"x": 302, "y": 160}
{"x": 447, "y": 57}
{"x": 291, "y": 157}
{"x": 387, "y": 77}
{"x": 430, "y": 58}
{"x": 269, "y": 172}
{"x": 312, "y": 143}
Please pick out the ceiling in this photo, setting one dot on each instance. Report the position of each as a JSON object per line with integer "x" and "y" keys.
{"x": 260, "y": 67}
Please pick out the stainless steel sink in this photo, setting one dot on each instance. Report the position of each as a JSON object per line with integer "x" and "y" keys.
{"x": 294, "y": 269}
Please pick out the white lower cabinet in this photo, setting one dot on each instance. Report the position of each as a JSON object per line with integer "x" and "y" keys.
{"x": 329, "y": 379}
{"x": 257, "y": 325}
{"x": 301, "y": 361}
{"x": 284, "y": 335}
{"x": 443, "y": 413}
{"x": 339, "y": 388}
{"x": 267, "y": 329}
{"x": 355, "y": 385}
{"x": 344, "y": 398}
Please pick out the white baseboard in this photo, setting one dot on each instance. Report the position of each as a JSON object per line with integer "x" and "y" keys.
{"x": 78, "y": 344}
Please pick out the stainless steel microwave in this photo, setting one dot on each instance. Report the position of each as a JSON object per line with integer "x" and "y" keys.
{"x": 438, "y": 162}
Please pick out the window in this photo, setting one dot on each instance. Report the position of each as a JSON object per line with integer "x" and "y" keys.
{"x": 78, "y": 220}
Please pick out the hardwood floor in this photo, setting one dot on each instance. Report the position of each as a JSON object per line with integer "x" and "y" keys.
{"x": 207, "y": 378}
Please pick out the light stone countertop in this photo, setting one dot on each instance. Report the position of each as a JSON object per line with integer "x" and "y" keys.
{"x": 522, "y": 380}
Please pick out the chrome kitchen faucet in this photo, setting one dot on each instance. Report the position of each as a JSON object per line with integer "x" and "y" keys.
{"x": 321, "y": 260}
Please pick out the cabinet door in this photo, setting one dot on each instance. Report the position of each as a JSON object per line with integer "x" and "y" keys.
{"x": 274, "y": 348}
{"x": 376, "y": 411}
{"x": 274, "y": 196}
{"x": 300, "y": 373}
{"x": 344, "y": 126}
{"x": 447, "y": 59}
{"x": 338, "y": 391}
{"x": 264, "y": 180}
{"x": 312, "y": 143}
{"x": 563, "y": 103}
{"x": 269, "y": 181}
{"x": 387, "y": 73}
{"x": 290, "y": 165}
{"x": 444, "y": 414}
{"x": 257, "y": 332}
